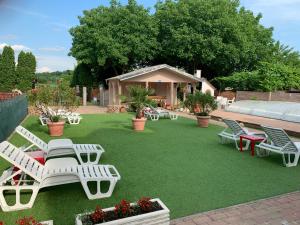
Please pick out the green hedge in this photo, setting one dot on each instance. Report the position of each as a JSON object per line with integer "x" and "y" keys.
{"x": 12, "y": 112}
{"x": 268, "y": 77}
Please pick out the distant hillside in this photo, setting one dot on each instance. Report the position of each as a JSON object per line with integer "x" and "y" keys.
{"x": 52, "y": 77}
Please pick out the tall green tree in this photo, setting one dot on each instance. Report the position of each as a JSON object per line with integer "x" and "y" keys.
{"x": 7, "y": 69}
{"x": 82, "y": 76}
{"x": 285, "y": 55}
{"x": 115, "y": 39}
{"x": 217, "y": 36}
{"x": 25, "y": 70}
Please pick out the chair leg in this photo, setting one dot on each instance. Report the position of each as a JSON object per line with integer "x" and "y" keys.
{"x": 221, "y": 139}
{"x": 18, "y": 204}
{"x": 262, "y": 152}
{"x": 88, "y": 155}
{"x": 154, "y": 117}
{"x": 246, "y": 147}
{"x": 43, "y": 120}
{"x": 290, "y": 162}
{"x": 173, "y": 116}
{"x": 98, "y": 194}
{"x": 73, "y": 120}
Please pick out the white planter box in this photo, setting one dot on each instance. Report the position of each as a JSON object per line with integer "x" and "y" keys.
{"x": 161, "y": 217}
{"x": 48, "y": 222}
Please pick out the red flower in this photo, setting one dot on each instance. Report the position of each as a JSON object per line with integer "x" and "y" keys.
{"x": 27, "y": 221}
{"x": 145, "y": 204}
{"x": 98, "y": 215}
{"x": 123, "y": 209}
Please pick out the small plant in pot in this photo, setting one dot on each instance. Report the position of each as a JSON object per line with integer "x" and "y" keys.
{"x": 207, "y": 104}
{"x": 56, "y": 126}
{"x": 139, "y": 99}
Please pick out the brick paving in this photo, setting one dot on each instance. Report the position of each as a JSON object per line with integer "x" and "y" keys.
{"x": 91, "y": 109}
{"x": 279, "y": 210}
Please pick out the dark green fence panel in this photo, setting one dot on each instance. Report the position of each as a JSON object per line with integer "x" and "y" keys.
{"x": 12, "y": 112}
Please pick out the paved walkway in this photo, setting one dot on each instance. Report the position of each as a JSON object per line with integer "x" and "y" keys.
{"x": 279, "y": 210}
{"x": 91, "y": 109}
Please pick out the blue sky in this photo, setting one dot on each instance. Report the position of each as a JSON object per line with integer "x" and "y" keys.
{"x": 42, "y": 26}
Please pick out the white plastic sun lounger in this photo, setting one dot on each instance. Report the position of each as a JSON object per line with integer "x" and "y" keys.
{"x": 43, "y": 119}
{"x": 280, "y": 143}
{"x": 157, "y": 113}
{"x": 151, "y": 115}
{"x": 236, "y": 132}
{"x": 71, "y": 117}
{"x": 61, "y": 147}
{"x": 34, "y": 176}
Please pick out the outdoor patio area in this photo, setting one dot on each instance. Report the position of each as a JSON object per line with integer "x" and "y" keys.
{"x": 183, "y": 165}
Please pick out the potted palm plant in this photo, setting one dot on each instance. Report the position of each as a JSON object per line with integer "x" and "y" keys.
{"x": 207, "y": 104}
{"x": 139, "y": 99}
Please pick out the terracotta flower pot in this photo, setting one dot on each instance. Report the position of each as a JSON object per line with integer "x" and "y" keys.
{"x": 203, "y": 121}
{"x": 56, "y": 129}
{"x": 139, "y": 124}
{"x": 122, "y": 109}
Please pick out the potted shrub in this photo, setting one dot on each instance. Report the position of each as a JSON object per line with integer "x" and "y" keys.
{"x": 145, "y": 211}
{"x": 122, "y": 107}
{"x": 190, "y": 103}
{"x": 207, "y": 104}
{"x": 56, "y": 126}
{"x": 139, "y": 99}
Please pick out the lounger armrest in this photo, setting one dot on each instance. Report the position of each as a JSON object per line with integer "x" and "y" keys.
{"x": 115, "y": 172}
{"x": 99, "y": 147}
{"x": 287, "y": 145}
{"x": 297, "y": 144}
{"x": 259, "y": 134}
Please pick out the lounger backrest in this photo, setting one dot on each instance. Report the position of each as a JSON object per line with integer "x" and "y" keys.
{"x": 51, "y": 111}
{"x": 21, "y": 160}
{"x": 280, "y": 138}
{"x": 32, "y": 138}
{"x": 44, "y": 110}
{"x": 152, "y": 108}
{"x": 235, "y": 127}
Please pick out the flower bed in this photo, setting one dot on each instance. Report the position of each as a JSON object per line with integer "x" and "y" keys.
{"x": 143, "y": 212}
{"x": 30, "y": 221}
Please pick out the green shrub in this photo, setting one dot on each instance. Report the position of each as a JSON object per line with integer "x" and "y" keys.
{"x": 139, "y": 98}
{"x": 268, "y": 77}
{"x": 206, "y": 102}
{"x": 61, "y": 96}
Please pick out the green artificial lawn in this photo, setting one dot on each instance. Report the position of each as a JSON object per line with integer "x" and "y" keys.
{"x": 178, "y": 162}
